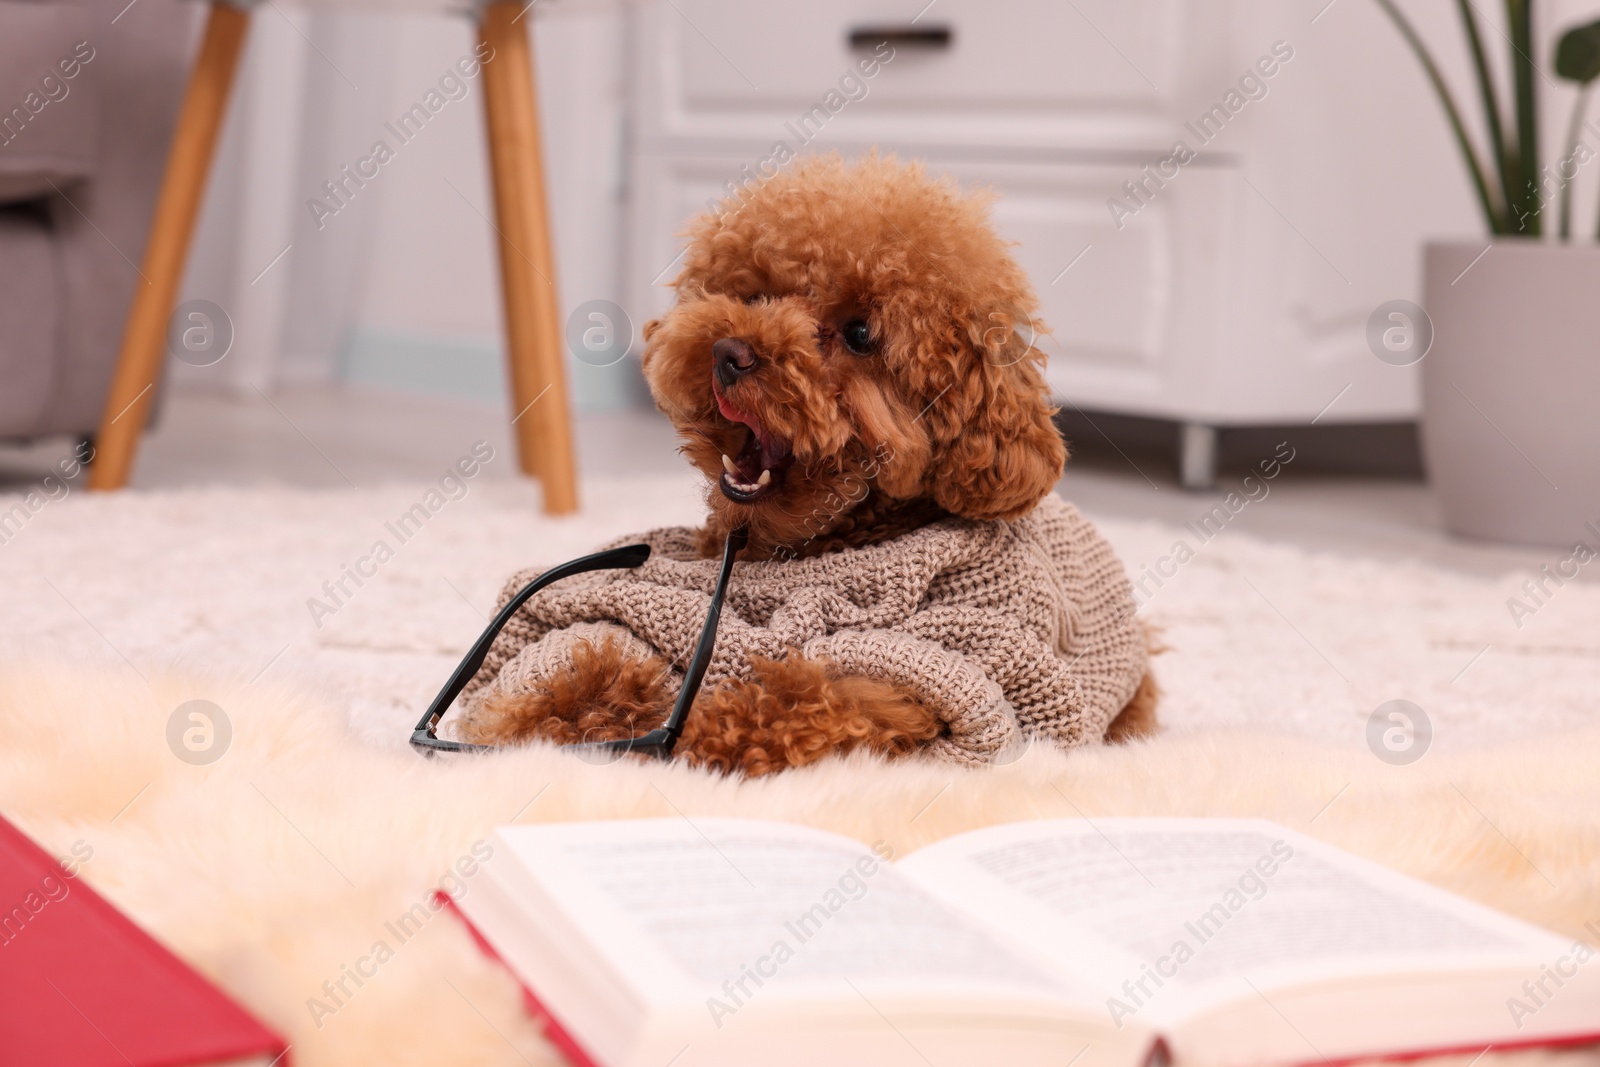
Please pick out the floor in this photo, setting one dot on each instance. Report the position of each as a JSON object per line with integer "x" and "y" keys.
{"x": 328, "y": 436}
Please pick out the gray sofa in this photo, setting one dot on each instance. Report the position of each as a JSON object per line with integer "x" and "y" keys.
{"x": 88, "y": 100}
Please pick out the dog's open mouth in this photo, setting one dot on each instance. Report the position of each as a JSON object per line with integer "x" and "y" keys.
{"x": 757, "y": 471}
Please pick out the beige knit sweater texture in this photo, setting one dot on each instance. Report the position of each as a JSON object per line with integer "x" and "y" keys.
{"x": 1006, "y": 630}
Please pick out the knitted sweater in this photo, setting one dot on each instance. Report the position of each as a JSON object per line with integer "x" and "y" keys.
{"x": 1005, "y": 630}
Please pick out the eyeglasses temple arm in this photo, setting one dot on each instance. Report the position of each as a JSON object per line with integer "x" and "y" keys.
{"x": 701, "y": 660}
{"x": 626, "y": 556}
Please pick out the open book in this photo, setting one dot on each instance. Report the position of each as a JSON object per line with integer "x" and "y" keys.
{"x": 1206, "y": 941}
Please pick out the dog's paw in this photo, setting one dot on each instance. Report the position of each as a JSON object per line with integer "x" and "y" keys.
{"x": 606, "y": 694}
{"x": 795, "y": 712}
{"x": 1137, "y": 720}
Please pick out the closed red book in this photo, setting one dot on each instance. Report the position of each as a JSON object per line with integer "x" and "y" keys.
{"x": 82, "y": 986}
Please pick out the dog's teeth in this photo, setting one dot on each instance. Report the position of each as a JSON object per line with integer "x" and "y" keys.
{"x": 727, "y": 464}
{"x": 766, "y": 476}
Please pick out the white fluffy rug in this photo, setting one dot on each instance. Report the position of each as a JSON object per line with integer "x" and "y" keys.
{"x": 280, "y": 863}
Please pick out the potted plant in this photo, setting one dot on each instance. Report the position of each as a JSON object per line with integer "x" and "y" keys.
{"x": 1511, "y": 383}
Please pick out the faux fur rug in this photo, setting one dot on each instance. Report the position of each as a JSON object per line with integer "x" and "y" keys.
{"x": 282, "y": 864}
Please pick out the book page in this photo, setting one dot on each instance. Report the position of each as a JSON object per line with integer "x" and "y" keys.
{"x": 1173, "y": 914}
{"x": 736, "y": 906}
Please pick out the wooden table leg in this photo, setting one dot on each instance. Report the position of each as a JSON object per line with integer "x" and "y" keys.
{"x": 540, "y": 405}
{"x": 144, "y": 339}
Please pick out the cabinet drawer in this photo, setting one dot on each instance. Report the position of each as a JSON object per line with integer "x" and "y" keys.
{"x": 731, "y": 69}
{"x": 998, "y": 54}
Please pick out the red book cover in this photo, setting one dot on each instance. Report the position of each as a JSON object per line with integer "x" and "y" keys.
{"x": 554, "y": 1032}
{"x": 82, "y": 986}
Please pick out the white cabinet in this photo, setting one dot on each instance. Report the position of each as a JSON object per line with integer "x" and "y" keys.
{"x": 1237, "y": 293}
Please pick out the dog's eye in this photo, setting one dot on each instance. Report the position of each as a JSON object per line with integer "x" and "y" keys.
{"x": 755, "y": 298}
{"x": 857, "y": 337}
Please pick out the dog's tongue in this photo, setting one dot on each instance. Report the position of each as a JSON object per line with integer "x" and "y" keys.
{"x": 772, "y": 450}
{"x": 733, "y": 413}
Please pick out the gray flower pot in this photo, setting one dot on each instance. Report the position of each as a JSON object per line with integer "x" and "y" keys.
{"x": 1511, "y": 389}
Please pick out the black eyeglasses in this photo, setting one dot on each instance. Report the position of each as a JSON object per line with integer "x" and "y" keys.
{"x": 658, "y": 742}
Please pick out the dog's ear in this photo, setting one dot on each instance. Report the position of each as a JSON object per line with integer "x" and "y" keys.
{"x": 1000, "y": 453}
{"x": 647, "y": 356}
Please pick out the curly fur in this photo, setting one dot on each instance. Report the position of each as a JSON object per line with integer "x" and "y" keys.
{"x": 945, "y": 413}
{"x": 948, "y": 415}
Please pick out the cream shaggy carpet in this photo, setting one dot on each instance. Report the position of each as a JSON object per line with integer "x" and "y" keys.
{"x": 278, "y": 865}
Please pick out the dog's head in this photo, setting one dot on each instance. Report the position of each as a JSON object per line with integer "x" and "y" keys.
{"x": 846, "y": 332}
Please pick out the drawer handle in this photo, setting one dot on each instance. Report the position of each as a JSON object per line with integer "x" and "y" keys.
{"x": 929, "y": 37}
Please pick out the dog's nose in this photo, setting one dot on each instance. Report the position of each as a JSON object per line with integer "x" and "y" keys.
{"x": 732, "y": 359}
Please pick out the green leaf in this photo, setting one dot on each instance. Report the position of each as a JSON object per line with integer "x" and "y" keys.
{"x": 1578, "y": 54}
{"x": 1495, "y": 215}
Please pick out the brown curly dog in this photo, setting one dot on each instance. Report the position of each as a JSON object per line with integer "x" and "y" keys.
{"x": 849, "y": 358}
